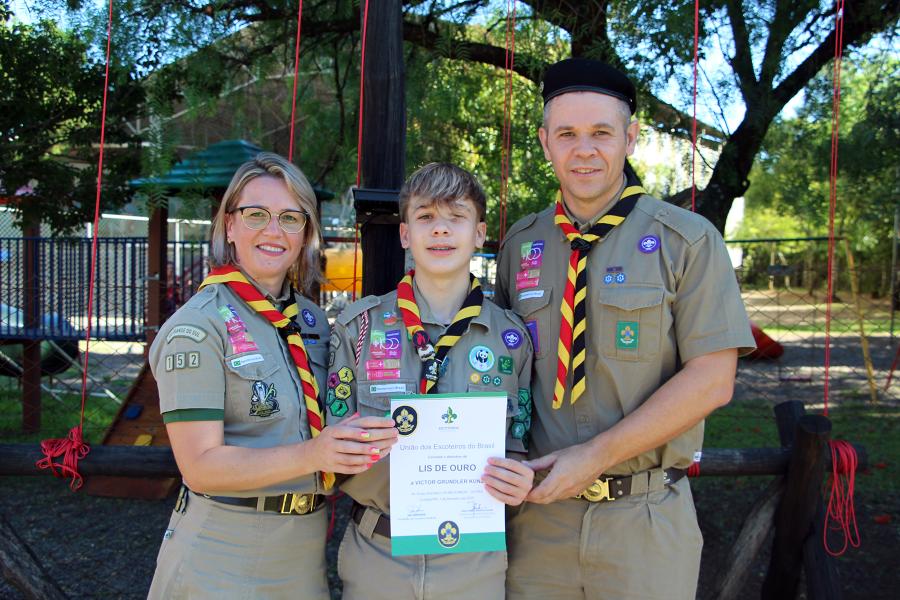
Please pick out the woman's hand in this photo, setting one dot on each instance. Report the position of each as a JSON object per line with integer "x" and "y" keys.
{"x": 507, "y": 480}
{"x": 353, "y": 445}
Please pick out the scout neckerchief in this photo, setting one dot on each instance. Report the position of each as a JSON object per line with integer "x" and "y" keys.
{"x": 431, "y": 358}
{"x": 573, "y": 308}
{"x": 287, "y": 327}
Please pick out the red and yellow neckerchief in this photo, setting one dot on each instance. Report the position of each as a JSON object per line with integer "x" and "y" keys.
{"x": 433, "y": 356}
{"x": 289, "y": 330}
{"x": 573, "y": 309}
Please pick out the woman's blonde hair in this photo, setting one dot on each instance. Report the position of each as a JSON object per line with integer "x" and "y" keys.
{"x": 307, "y": 270}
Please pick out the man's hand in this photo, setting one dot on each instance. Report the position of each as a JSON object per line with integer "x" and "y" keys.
{"x": 572, "y": 470}
{"x": 508, "y": 480}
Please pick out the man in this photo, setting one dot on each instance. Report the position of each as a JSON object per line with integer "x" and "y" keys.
{"x": 637, "y": 323}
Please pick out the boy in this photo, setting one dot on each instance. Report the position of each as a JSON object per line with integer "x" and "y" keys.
{"x": 436, "y": 332}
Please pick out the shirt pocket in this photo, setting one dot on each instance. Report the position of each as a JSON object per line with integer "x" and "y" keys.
{"x": 630, "y": 322}
{"x": 537, "y": 313}
{"x": 251, "y": 393}
{"x": 374, "y": 397}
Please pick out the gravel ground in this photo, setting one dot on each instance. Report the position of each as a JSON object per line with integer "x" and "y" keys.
{"x": 106, "y": 548}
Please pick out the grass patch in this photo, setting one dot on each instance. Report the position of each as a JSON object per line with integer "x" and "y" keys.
{"x": 57, "y": 416}
{"x": 877, "y": 428}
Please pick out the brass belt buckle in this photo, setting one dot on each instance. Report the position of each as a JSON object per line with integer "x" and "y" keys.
{"x": 296, "y": 503}
{"x": 597, "y": 491}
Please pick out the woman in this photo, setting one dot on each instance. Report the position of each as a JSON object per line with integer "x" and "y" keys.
{"x": 239, "y": 369}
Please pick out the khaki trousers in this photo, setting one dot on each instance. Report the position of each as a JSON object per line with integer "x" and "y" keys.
{"x": 644, "y": 546}
{"x": 214, "y": 550}
{"x": 369, "y": 572}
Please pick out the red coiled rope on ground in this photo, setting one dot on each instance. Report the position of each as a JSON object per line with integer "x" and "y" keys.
{"x": 840, "y": 515}
{"x": 72, "y": 448}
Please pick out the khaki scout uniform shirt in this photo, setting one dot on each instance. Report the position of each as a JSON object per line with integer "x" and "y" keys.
{"x": 661, "y": 291}
{"x": 494, "y": 354}
{"x": 218, "y": 359}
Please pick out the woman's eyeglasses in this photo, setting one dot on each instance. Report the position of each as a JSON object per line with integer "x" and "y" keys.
{"x": 256, "y": 217}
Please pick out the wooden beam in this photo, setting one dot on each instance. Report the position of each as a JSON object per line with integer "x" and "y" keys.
{"x": 140, "y": 461}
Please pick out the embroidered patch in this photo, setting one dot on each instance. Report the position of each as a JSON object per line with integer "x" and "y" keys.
{"x": 333, "y": 380}
{"x": 533, "y": 332}
{"x": 627, "y": 335}
{"x": 334, "y": 341}
{"x": 329, "y": 397}
{"x": 497, "y": 381}
{"x": 182, "y": 360}
{"x": 532, "y": 254}
{"x": 388, "y": 363}
{"x": 263, "y": 401}
{"x": 382, "y": 374}
{"x": 389, "y": 318}
{"x": 345, "y": 374}
{"x": 342, "y": 391}
{"x": 512, "y": 339}
{"x": 330, "y": 359}
{"x": 505, "y": 365}
{"x": 474, "y": 378}
{"x": 240, "y": 338}
{"x": 338, "y": 408}
{"x": 387, "y": 388}
{"x": 531, "y": 294}
{"x": 486, "y": 379}
{"x": 648, "y": 244}
{"x": 308, "y": 317}
{"x": 527, "y": 279}
{"x": 385, "y": 344}
{"x": 525, "y": 402}
{"x": 517, "y": 430}
{"x": 481, "y": 358}
{"x": 186, "y": 331}
{"x": 247, "y": 359}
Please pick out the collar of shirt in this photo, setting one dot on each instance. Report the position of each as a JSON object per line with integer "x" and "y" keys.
{"x": 593, "y": 221}
{"x": 428, "y": 318}
{"x": 277, "y": 301}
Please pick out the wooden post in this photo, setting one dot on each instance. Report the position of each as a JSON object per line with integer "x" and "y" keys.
{"x": 794, "y": 517}
{"x": 157, "y": 253}
{"x": 31, "y": 356}
{"x": 20, "y": 568}
{"x": 383, "y": 141}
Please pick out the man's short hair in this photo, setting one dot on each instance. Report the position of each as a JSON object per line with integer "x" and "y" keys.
{"x": 442, "y": 183}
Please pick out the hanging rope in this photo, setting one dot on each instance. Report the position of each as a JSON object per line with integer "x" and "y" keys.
{"x": 72, "y": 448}
{"x": 840, "y": 515}
{"x": 506, "y": 149}
{"x": 362, "y": 81}
{"x": 694, "y": 120}
{"x": 296, "y": 76}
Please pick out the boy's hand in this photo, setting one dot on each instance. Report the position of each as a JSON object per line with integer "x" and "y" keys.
{"x": 507, "y": 480}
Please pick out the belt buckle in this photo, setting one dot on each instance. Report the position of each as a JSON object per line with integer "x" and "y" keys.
{"x": 597, "y": 491}
{"x": 300, "y": 504}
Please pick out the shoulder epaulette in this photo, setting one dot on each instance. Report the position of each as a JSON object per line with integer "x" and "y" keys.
{"x": 203, "y": 297}
{"x": 357, "y": 308}
{"x": 691, "y": 226}
{"x": 520, "y": 225}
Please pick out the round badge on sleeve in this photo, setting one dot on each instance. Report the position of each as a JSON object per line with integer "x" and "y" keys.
{"x": 308, "y": 317}
{"x": 648, "y": 244}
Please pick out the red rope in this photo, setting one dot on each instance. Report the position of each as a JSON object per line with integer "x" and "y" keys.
{"x": 296, "y": 76}
{"x": 505, "y": 152}
{"x": 362, "y": 80}
{"x": 694, "y": 121}
{"x": 72, "y": 448}
{"x": 841, "y": 514}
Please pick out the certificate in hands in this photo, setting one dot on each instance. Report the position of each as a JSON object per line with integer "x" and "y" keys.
{"x": 438, "y": 501}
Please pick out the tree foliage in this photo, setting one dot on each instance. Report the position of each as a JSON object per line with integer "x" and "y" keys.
{"x": 50, "y": 102}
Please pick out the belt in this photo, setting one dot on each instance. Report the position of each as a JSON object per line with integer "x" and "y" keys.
{"x": 607, "y": 489}
{"x": 382, "y": 526}
{"x": 285, "y": 504}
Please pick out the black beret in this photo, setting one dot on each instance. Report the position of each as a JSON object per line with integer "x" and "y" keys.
{"x": 586, "y": 75}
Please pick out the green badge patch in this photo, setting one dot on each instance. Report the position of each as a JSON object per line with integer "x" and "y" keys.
{"x": 505, "y": 365}
{"x": 338, "y": 408}
{"x": 627, "y": 335}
